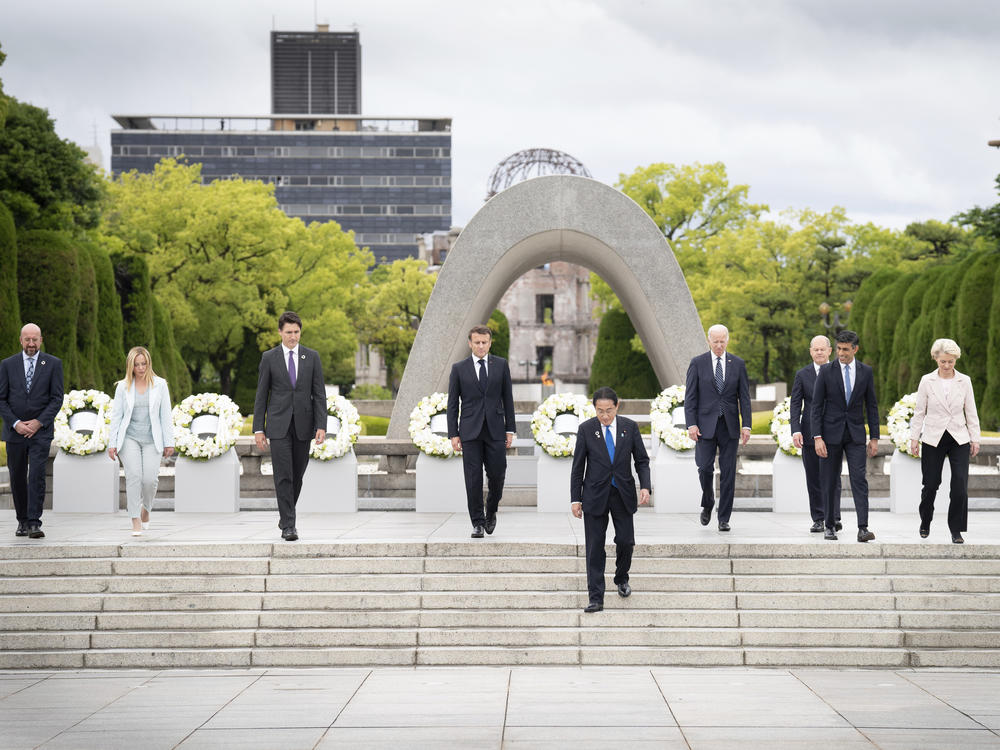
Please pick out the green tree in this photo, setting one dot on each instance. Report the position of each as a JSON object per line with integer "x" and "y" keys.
{"x": 44, "y": 180}
{"x": 501, "y": 334}
{"x": 921, "y": 334}
{"x": 616, "y": 362}
{"x": 169, "y": 362}
{"x": 864, "y": 313}
{"x": 890, "y": 305}
{"x": 983, "y": 222}
{"x": 975, "y": 299}
{"x": 110, "y": 356}
{"x": 941, "y": 239}
{"x": 902, "y": 362}
{"x": 49, "y": 292}
{"x": 989, "y": 391}
{"x": 10, "y": 311}
{"x": 4, "y": 100}
{"x": 132, "y": 283}
{"x": 87, "y": 373}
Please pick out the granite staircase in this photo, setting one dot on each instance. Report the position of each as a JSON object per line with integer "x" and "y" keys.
{"x": 227, "y": 605}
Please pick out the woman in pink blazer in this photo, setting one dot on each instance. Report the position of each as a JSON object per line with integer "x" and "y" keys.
{"x": 945, "y": 425}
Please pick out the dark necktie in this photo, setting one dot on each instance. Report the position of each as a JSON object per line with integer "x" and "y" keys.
{"x": 718, "y": 374}
{"x": 610, "y": 442}
{"x": 291, "y": 367}
{"x": 30, "y": 374}
{"x": 482, "y": 375}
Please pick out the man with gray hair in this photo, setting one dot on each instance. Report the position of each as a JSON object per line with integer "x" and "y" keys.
{"x": 802, "y": 437}
{"x": 717, "y": 412}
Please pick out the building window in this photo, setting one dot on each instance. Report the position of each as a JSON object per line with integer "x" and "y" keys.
{"x": 305, "y": 124}
{"x": 544, "y": 307}
{"x": 543, "y": 355}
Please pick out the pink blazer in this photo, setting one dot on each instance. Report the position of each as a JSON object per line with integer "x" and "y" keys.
{"x": 936, "y": 413}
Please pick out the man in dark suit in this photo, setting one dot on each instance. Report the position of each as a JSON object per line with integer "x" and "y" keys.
{"x": 601, "y": 483}
{"x": 716, "y": 403}
{"x": 843, "y": 397}
{"x": 482, "y": 386}
{"x": 31, "y": 394}
{"x": 290, "y": 411}
{"x": 801, "y": 405}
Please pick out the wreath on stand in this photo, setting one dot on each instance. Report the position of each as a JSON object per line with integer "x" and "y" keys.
{"x": 898, "y": 422}
{"x": 429, "y": 442}
{"x": 781, "y": 428}
{"x": 190, "y": 445}
{"x": 83, "y": 443}
{"x": 661, "y": 419}
{"x": 350, "y": 427}
{"x": 543, "y": 422}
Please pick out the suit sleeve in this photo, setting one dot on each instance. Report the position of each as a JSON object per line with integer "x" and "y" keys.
{"x": 818, "y": 404}
{"x": 746, "y": 416}
{"x": 48, "y": 415}
{"x": 971, "y": 415}
{"x": 166, "y": 417}
{"x": 117, "y": 414}
{"x": 641, "y": 459}
{"x": 318, "y": 394}
{"x": 579, "y": 467}
{"x": 796, "y": 404}
{"x": 691, "y": 394}
{"x": 920, "y": 410}
{"x": 872, "y": 406}
{"x": 508, "y": 399}
{"x": 454, "y": 394}
{"x": 6, "y": 413}
{"x": 263, "y": 391}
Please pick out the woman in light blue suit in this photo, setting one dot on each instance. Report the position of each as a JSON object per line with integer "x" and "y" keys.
{"x": 141, "y": 432}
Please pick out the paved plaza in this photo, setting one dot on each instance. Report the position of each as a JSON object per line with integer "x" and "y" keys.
{"x": 492, "y": 707}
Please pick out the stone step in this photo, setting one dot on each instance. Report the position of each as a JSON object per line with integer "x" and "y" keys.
{"x": 333, "y": 657}
{"x": 947, "y": 583}
{"x": 822, "y": 637}
{"x": 817, "y": 618}
{"x": 45, "y": 641}
{"x": 969, "y": 602}
{"x": 302, "y": 620}
{"x": 156, "y": 620}
{"x": 827, "y": 657}
{"x": 982, "y": 657}
{"x": 827, "y": 601}
{"x": 60, "y": 585}
{"x": 59, "y": 567}
{"x": 166, "y": 658}
{"x": 934, "y": 620}
{"x": 180, "y": 602}
{"x": 571, "y": 582}
{"x": 150, "y": 566}
{"x": 183, "y": 639}
{"x": 48, "y": 621}
{"x": 346, "y": 583}
{"x": 186, "y": 584}
{"x": 337, "y": 637}
{"x": 347, "y": 565}
{"x": 812, "y": 583}
{"x": 807, "y": 567}
{"x": 953, "y": 639}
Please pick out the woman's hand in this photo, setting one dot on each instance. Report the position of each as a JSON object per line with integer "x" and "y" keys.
{"x": 915, "y": 447}
{"x": 974, "y": 450}
{"x": 113, "y": 454}
{"x": 168, "y": 451}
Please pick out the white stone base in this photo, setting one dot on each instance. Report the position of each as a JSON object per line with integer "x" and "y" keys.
{"x": 906, "y": 482}
{"x": 84, "y": 484}
{"x": 553, "y": 483}
{"x": 788, "y": 477}
{"x": 440, "y": 485}
{"x": 330, "y": 486}
{"x": 208, "y": 486}
{"x": 676, "y": 488}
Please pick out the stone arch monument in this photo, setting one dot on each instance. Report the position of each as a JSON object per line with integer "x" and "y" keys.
{"x": 557, "y": 217}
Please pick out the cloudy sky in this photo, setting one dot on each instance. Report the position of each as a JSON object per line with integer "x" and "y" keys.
{"x": 882, "y": 107}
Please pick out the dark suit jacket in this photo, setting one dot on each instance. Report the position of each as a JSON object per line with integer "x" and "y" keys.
{"x": 277, "y": 401}
{"x": 701, "y": 400}
{"x": 801, "y": 403}
{"x": 495, "y": 406}
{"x": 590, "y": 477}
{"x": 830, "y": 412}
{"x": 44, "y": 401}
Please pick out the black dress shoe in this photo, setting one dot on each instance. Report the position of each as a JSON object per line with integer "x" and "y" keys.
{"x": 491, "y": 522}
{"x": 864, "y": 535}
{"x": 706, "y": 516}
{"x": 477, "y": 532}
{"x": 289, "y": 534}
{"x": 723, "y": 526}
{"x": 35, "y": 532}
{"x": 816, "y": 527}
{"x": 838, "y": 526}
{"x": 956, "y": 538}
{"x": 593, "y": 607}
{"x": 624, "y": 590}
{"x": 830, "y": 534}
{"x": 22, "y": 529}
{"x": 924, "y": 532}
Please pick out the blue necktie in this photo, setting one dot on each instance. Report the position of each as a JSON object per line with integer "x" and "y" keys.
{"x": 30, "y": 374}
{"x": 610, "y": 442}
{"x": 847, "y": 382}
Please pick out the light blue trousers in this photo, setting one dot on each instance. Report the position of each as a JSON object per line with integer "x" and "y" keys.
{"x": 142, "y": 474}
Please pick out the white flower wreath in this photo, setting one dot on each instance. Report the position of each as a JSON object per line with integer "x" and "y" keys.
{"x": 781, "y": 428}
{"x": 189, "y": 445}
{"x": 542, "y": 420}
{"x": 350, "y": 427}
{"x": 420, "y": 426}
{"x": 661, "y": 418}
{"x": 898, "y": 422}
{"x": 76, "y": 442}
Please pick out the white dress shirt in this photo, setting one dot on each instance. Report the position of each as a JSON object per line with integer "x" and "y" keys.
{"x": 285, "y": 350}
{"x": 614, "y": 431}
{"x": 486, "y": 364}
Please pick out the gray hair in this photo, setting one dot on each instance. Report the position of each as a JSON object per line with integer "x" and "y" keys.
{"x": 718, "y": 328}
{"x": 945, "y": 346}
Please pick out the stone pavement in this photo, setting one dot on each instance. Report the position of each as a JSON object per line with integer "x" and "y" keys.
{"x": 492, "y": 707}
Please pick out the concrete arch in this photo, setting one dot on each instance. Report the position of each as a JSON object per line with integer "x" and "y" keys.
{"x": 557, "y": 217}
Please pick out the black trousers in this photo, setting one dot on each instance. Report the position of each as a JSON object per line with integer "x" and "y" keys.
{"x": 484, "y": 452}
{"x": 812, "y": 463}
{"x": 704, "y": 456}
{"x": 26, "y": 460}
{"x": 595, "y": 528}
{"x": 931, "y": 463}
{"x": 857, "y": 464}
{"x": 289, "y": 459}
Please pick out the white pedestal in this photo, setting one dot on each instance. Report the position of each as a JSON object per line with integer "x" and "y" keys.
{"x": 440, "y": 485}
{"x": 553, "y": 483}
{"x": 676, "y": 488}
{"x": 788, "y": 484}
{"x": 330, "y": 486}
{"x": 906, "y": 482}
{"x": 208, "y": 486}
{"x": 84, "y": 484}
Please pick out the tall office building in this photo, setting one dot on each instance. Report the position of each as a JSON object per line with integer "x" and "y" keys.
{"x": 316, "y": 72}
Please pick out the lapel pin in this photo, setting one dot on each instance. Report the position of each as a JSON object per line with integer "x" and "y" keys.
{"x": 302, "y": 356}
{"x": 597, "y": 434}
{"x": 43, "y": 361}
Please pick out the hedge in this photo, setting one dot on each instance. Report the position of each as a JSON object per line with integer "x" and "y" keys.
{"x": 10, "y": 310}
{"x": 617, "y": 364}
